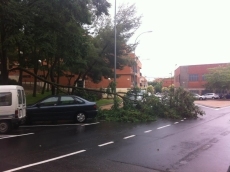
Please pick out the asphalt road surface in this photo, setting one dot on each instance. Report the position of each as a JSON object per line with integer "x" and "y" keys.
{"x": 188, "y": 145}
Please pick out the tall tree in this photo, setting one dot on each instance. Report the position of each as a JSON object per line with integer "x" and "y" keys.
{"x": 102, "y": 63}
{"x": 10, "y": 21}
{"x": 218, "y": 79}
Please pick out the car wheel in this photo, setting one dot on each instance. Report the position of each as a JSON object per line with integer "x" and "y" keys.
{"x": 213, "y": 98}
{"x": 5, "y": 127}
{"x": 200, "y": 98}
{"x": 80, "y": 117}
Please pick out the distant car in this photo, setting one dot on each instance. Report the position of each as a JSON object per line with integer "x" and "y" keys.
{"x": 135, "y": 98}
{"x": 159, "y": 95}
{"x": 211, "y": 96}
{"x": 61, "y": 107}
{"x": 198, "y": 97}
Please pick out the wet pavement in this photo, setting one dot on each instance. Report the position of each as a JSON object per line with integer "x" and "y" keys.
{"x": 214, "y": 103}
{"x": 186, "y": 145}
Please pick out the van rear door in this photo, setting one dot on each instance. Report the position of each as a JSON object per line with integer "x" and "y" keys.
{"x": 21, "y": 104}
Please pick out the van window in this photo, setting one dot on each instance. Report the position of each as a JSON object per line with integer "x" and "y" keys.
{"x": 6, "y": 99}
{"x": 23, "y": 97}
{"x": 19, "y": 97}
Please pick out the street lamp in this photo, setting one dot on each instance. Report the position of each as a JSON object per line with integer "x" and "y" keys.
{"x": 135, "y": 78}
{"x": 171, "y": 78}
{"x": 138, "y": 37}
{"x": 115, "y": 53}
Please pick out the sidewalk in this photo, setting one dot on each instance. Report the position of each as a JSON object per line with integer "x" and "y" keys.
{"x": 106, "y": 106}
{"x": 213, "y": 103}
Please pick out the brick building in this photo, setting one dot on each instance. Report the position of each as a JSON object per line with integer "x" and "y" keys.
{"x": 192, "y": 78}
{"x": 127, "y": 78}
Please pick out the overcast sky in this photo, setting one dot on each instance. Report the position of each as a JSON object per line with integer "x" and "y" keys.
{"x": 185, "y": 32}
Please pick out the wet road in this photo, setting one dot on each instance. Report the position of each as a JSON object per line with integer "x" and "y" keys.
{"x": 200, "y": 145}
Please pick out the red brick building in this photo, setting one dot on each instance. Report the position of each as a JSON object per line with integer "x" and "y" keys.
{"x": 192, "y": 77}
{"x": 127, "y": 78}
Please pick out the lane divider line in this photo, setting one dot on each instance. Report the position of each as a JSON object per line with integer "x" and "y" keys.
{"x": 91, "y": 124}
{"x": 163, "y": 127}
{"x": 176, "y": 122}
{"x": 182, "y": 120}
{"x": 104, "y": 144}
{"x": 15, "y": 136}
{"x": 129, "y": 137}
{"x": 28, "y": 126}
{"x": 42, "y": 162}
{"x": 147, "y": 131}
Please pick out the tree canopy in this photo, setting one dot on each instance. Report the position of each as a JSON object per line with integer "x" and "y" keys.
{"x": 73, "y": 37}
{"x": 218, "y": 79}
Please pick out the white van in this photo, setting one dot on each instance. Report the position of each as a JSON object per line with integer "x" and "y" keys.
{"x": 12, "y": 107}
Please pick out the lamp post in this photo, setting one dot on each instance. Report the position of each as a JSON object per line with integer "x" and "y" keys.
{"x": 138, "y": 37}
{"x": 115, "y": 53}
{"x": 171, "y": 78}
{"x": 135, "y": 78}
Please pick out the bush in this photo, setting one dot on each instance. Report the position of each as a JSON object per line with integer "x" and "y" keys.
{"x": 122, "y": 115}
{"x": 174, "y": 104}
{"x": 180, "y": 104}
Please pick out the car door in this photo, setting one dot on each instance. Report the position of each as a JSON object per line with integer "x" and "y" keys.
{"x": 210, "y": 95}
{"x": 65, "y": 108}
{"x": 44, "y": 110}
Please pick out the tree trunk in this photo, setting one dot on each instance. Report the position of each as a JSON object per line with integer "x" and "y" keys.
{"x": 4, "y": 62}
{"x": 44, "y": 86}
{"x": 58, "y": 74}
{"x": 20, "y": 60}
{"x": 75, "y": 82}
{"x": 4, "y": 71}
{"x": 52, "y": 75}
{"x": 35, "y": 72}
{"x": 35, "y": 82}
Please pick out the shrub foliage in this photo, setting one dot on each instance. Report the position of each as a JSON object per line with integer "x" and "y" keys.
{"x": 174, "y": 104}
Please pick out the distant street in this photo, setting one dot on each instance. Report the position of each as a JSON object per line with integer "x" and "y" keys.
{"x": 188, "y": 145}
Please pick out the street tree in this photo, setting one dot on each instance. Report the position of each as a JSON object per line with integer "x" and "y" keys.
{"x": 101, "y": 60}
{"x": 218, "y": 79}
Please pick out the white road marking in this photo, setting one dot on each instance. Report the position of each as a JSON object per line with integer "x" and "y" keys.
{"x": 42, "y": 162}
{"x": 27, "y": 126}
{"x": 163, "y": 127}
{"x": 148, "y": 131}
{"x": 10, "y": 136}
{"x": 129, "y": 137}
{"x": 213, "y": 108}
{"x": 176, "y": 122}
{"x": 184, "y": 118}
{"x": 104, "y": 144}
{"x": 91, "y": 124}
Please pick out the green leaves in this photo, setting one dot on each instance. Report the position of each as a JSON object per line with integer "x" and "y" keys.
{"x": 218, "y": 79}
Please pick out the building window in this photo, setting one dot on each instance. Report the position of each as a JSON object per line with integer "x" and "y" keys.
{"x": 193, "y": 77}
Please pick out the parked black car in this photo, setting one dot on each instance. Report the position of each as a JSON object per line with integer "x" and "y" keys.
{"x": 61, "y": 107}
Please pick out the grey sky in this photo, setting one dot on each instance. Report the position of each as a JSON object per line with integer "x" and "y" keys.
{"x": 184, "y": 32}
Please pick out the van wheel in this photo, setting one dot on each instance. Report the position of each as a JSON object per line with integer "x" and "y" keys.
{"x": 80, "y": 117}
{"x": 5, "y": 127}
